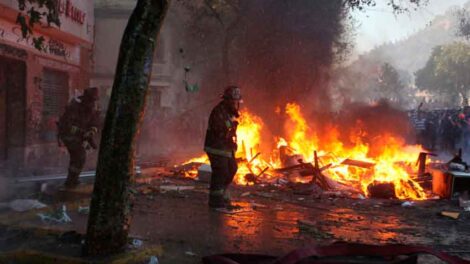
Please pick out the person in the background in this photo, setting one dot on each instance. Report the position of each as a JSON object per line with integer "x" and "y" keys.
{"x": 419, "y": 123}
{"x": 77, "y": 126}
{"x": 431, "y": 131}
{"x": 465, "y": 123}
{"x": 221, "y": 144}
{"x": 451, "y": 131}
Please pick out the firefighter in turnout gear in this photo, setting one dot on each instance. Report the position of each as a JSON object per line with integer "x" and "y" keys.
{"x": 77, "y": 127}
{"x": 221, "y": 145}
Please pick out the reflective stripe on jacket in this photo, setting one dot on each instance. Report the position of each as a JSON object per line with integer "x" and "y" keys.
{"x": 221, "y": 132}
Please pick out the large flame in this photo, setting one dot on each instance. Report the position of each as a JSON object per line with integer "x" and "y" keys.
{"x": 248, "y": 141}
{"x": 393, "y": 159}
{"x": 300, "y": 137}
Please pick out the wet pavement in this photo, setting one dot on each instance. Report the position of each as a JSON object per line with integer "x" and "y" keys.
{"x": 273, "y": 222}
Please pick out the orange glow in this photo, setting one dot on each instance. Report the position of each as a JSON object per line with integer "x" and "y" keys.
{"x": 300, "y": 137}
{"x": 192, "y": 172}
{"x": 393, "y": 159}
{"x": 201, "y": 159}
{"x": 248, "y": 141}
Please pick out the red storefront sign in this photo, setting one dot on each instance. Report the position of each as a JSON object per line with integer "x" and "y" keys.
{"x": 69, "y": 10}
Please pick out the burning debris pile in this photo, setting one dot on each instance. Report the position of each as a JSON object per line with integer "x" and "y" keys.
{"x": 385, "y": 169}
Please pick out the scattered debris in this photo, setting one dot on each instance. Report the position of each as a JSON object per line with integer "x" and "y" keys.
{"x": 233, "y": 210}
{"x": 456, "y": 167}
{"x": 265, "y": 195}
{"x": 23, "y": 205}
{"x": 190, "y": 253}
{"x": 257, "y": 205}
{"x": 83, "y": 209}
{"x": 308, "y": 189}
{"x": 245, "y": 194}
{"x": 56, "y": 177}
{"x": 311, "y": 228}
{"x": 187, "y": 170}
{"x": 148, "y": 189}
{"x": 381, "y": 190}
{"x": 137, "y": 243}
{"x": 48, "y": 189}
{"x": 150, "y": 171}
{"x": 250, "y": 178}
{"x": 281, "y": 181}
{"x": 176, "y": 188}
{"x": 153, "y": 260}
{"x": 204, "y": 173}
{"x": 332, "y": 194}
{"x": 453, "y": 215}
{"x": 60, "y": 216}
{"x": 408, "y": 204}
{"x": 464, "y": 201}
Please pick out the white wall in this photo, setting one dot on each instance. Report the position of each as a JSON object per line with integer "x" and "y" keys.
{"x": 109, "y": 33}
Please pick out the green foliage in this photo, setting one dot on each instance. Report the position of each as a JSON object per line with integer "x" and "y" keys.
{"x": 32, "y": 12}
{"x": 389, "y": 84}
{"x": 463, "y": 29}
{"x": 446, "y": 72}
{"x": 398, "y": 6}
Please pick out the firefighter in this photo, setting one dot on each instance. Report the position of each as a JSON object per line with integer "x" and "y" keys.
{"x": 77, "y": 127}
{"x": 221, "y": 145}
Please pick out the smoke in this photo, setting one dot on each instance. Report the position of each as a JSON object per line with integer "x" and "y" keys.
{"x": 287, "y": 56}
{"x": 377, "y": 119}
{"x": 378, "y": 25}
{"x": 276, "y": 51}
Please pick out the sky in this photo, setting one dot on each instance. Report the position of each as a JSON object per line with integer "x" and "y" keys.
{"x": 378, "y": 24}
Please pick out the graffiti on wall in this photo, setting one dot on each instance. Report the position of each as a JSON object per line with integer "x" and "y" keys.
{"x": 10, "y": 51}
{"x": 67, "y": 8}
{"x": 57, "y": 48}
{"x": 51, "y": 46}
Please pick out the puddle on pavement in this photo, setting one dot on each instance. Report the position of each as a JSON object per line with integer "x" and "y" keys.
{"x": 261, "y": 225}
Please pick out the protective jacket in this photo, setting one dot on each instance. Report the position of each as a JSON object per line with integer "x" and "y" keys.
{"x": 221, "y": 135}
{"x": 78, "y": 119}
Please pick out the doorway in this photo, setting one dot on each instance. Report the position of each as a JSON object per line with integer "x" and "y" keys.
{"x": 12, "y": 106}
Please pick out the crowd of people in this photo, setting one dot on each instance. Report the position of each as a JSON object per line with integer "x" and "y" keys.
{"x": 442, "y": 130}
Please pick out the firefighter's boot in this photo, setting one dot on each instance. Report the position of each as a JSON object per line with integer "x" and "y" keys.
{"x": 216, "y": 198}
{"x": 72, "y": 179}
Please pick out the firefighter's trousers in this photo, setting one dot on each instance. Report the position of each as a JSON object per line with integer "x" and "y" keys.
{"x": 223, "y": 172}
{"x": 77, "y": 154}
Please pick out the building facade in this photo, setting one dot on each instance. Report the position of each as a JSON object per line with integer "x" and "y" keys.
{"x": 110, "y": 21}
{"x": 35, "y": 86}
{"x": 167, "y": 97}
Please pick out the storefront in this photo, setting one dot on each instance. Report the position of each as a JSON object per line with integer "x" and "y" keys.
{"x": 35, "y": 86}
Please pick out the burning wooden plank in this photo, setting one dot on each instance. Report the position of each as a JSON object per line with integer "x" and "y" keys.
{"x": 309, "y": 169}
{"x": 358, "y": 163}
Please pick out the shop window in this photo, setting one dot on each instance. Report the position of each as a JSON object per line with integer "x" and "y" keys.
{"x": 12, "y": 106}
{"x": 55, "y": 96}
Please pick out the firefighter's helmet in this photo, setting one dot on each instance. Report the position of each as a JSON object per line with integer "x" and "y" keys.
{"x": 91, "y": 94}
{"x": 232, "y": 93}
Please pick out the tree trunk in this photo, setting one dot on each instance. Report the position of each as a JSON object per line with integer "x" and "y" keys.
{"x": 110, "y": 210}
